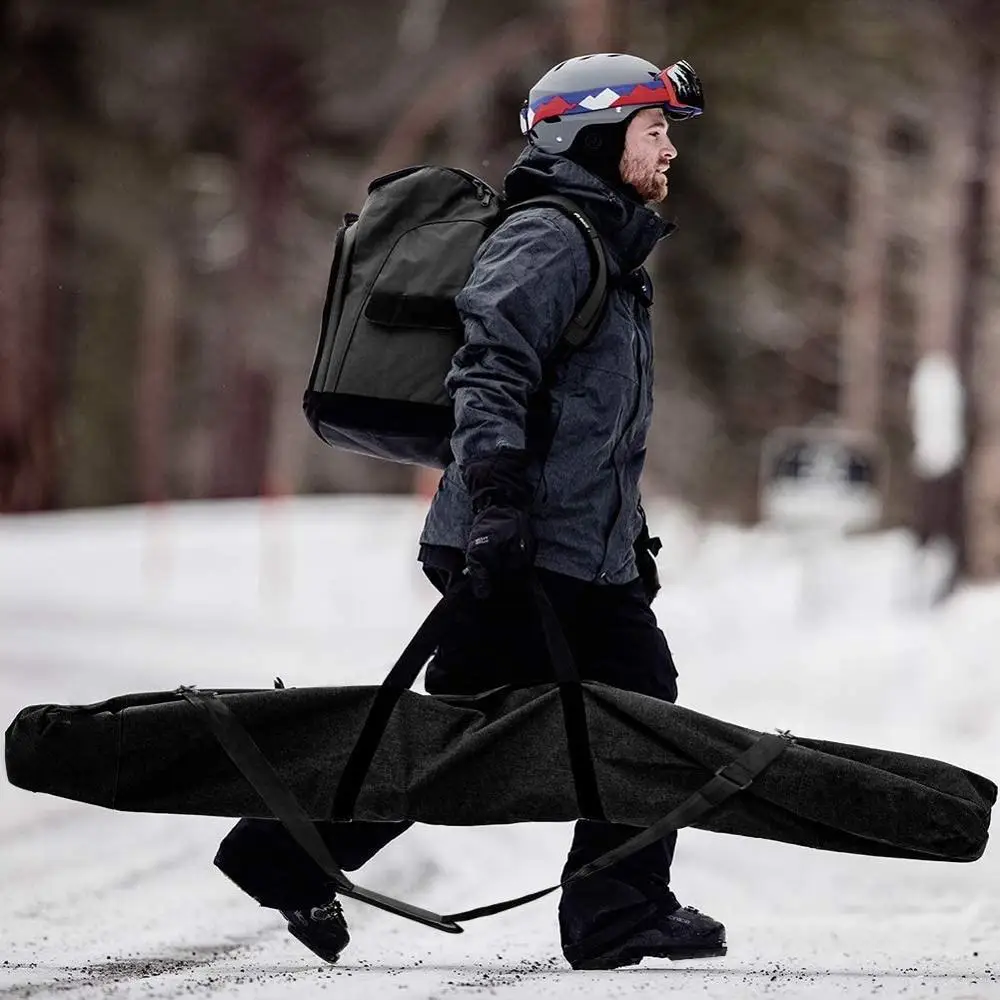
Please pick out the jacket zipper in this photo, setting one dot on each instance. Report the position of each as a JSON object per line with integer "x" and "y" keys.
{"x": 629, "y": 427}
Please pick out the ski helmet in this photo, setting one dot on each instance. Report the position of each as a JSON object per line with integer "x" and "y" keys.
{"x": 602, "y": 89}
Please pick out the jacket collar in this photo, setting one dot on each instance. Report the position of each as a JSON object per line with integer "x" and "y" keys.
{"x": 628, "y": 228}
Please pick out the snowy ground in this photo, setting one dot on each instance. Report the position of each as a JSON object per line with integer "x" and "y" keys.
{"x": 837, "y": 645}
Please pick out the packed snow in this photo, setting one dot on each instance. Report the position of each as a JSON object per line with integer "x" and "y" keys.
{"x": 830, "y": 638}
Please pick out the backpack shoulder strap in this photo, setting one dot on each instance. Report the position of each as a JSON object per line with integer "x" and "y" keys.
{"x": 588, "y": 315}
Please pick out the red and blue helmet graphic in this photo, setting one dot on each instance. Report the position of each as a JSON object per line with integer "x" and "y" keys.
{"x": 676, "y": 89}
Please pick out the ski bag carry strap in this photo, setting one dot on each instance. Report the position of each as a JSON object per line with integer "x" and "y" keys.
{"x": 419, "y": 650}
{"x": 581, "y": 760}
{"x": 405, "y": 671}
{"x": 729, "y": 780}
{"x": 732, "y": 778}
{"x": 256, "y": 768}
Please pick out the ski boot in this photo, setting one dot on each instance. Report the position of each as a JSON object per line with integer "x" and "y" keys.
{"x": 648, "y": 932}
{"x": 322, "y": 929}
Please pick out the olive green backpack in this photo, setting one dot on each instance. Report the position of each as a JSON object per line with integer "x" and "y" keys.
{"x": 390, "y": 326}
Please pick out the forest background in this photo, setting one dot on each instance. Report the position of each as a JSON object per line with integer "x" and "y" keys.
{"x": 173, "y": 173}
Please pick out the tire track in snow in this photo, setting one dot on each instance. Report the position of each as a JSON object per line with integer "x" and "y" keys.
{"x": 131, "y": 878}
{"x": 177, "y": 970}
{"x": 128, "y": 972}
{"x": 55, "y": 820}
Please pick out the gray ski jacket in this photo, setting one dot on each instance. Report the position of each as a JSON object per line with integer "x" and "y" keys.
{"x": 527, "y": 281}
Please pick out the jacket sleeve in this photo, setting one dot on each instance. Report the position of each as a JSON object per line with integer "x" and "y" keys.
{"x": 525, "y": 286}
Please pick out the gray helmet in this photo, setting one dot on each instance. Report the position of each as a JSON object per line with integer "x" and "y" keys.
{"x": 602, "y": 89}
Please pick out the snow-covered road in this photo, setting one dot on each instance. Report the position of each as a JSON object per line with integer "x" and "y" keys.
{"x": 102, "y": 904}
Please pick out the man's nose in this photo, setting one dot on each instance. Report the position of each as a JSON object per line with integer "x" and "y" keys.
{"x": 669, "y": 152}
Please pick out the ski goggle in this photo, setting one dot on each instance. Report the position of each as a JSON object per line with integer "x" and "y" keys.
{"x": 687, "y": 98}
{"x": 676, "y": 89}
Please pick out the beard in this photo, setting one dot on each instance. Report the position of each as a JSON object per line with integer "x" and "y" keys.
{"x": 645, "y": 177}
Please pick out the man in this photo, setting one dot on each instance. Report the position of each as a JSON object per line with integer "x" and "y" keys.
{"x": 548, "y": 450}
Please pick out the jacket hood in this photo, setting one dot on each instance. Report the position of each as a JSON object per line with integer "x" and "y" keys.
{"x": 629, "y": 229}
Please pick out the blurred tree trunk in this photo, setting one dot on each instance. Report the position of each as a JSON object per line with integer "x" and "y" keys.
{"x": 154, "y": 378}
{"x": 272, "y": 112}
{"x": 983, "y": 508}
{"x": 938, "y": 491}
{"x": 39, "y": 94}
{"x": 864, "y": 273}
{"x": 28, "y": 403}
{"x": 984, "y": 28}
{"x": 939, "y": 217}
{"x": 446, "y": 91}
{"x": 589, "y": 26}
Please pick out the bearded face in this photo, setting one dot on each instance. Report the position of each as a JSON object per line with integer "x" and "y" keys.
{"x": 647, "y": 155}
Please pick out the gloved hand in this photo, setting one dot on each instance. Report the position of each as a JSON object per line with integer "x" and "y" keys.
{"x": 501, "y": 543}
{"x": 645, "y": 549}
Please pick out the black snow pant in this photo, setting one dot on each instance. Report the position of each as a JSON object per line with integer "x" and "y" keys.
{"x": 614, "y": 638}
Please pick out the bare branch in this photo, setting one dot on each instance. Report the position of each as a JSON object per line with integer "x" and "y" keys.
{"x": 462, "y": 77}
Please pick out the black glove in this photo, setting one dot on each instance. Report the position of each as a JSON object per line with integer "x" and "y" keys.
{"x": 501, "y": 543}
{"x": 646, "y": 549}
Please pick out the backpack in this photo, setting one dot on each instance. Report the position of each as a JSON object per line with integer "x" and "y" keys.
{"x": 390, "y": 326}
